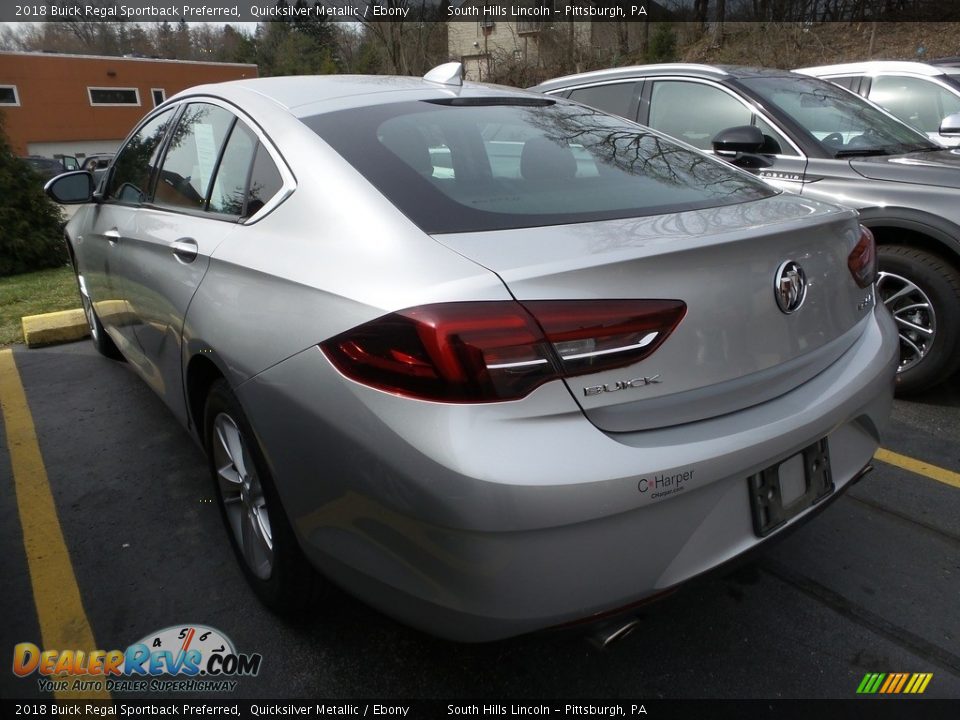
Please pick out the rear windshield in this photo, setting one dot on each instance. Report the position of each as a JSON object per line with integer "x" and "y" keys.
{"x": 493, "y": 164}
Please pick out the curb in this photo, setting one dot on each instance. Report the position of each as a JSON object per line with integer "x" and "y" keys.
{"x": 55, "y": 327}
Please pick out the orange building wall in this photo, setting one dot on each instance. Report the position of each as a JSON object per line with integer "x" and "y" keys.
{"x": 55, "y": 106}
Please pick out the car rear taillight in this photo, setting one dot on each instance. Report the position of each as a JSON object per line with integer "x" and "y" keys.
{"x": 862, "y": 260}
{"x": 593, "y": 335}
{"x": 499, "y": 350}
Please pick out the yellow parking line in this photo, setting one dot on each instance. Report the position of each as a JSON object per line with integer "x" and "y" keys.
{"x": 63, "y": 621}
{"x": 947, "y": 477}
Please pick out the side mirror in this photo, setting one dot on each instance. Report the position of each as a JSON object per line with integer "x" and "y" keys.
{"x": 950, "y": 125}
{"x": 71, "y": 188}
{"x": 739, "y": 139}
{"x": 742, "y": 146}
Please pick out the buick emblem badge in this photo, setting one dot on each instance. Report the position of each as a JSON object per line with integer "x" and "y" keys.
{"x": 790, "y": 287}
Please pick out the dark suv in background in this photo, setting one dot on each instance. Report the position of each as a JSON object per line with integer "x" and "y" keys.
{"x": 44, "y": 167}
{"x": 819, "y": 140}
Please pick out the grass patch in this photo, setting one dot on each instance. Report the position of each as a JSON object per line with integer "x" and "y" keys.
{"x": 33, "y": 294}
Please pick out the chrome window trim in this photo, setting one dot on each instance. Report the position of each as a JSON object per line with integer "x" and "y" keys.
{"x": 289, "y": 183}
{"x": 621, "y": 81}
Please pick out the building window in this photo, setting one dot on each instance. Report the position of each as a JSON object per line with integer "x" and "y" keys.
{"x": 159, "y": 95}
{"x": 113, "y": 96}
{"x": 8, "y": 95}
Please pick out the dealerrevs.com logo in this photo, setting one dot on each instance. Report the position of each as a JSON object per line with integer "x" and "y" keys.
{"x": 180, "y": 658}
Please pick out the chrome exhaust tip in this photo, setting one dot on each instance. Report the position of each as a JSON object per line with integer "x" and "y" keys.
{"x": 866, "y": 470}
{"x": 608, "y": 633}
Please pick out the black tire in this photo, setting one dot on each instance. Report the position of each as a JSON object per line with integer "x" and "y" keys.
{"x": 101, "y": 341}
{"x": 909, "y": 279}
{"x": 288, "y": 583}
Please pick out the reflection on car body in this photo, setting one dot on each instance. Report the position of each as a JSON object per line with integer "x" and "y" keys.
{"x": 821, "y": 141}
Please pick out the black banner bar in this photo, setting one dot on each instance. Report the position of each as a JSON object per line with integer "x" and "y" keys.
{"x": 488, "y": 11}
{"x": 378, "y": 709}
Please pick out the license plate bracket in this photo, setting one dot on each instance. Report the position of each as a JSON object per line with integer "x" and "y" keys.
{"x": 803, "y": 480}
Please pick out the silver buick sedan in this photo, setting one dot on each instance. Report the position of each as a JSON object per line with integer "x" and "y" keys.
{"x": 490, "y": 361}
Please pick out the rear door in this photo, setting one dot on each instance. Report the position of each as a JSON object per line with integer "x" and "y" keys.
{"x": 198, "y": 202}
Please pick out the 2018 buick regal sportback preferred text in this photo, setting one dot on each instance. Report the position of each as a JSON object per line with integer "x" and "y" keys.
{"x": 490, "y": 361}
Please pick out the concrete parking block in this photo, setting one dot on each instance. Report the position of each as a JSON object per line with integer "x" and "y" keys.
{"x": 53, "y": 328}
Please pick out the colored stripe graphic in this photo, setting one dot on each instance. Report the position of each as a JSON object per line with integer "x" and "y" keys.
{"x": 894, "y": 683}
{"x": 890, "y": 680}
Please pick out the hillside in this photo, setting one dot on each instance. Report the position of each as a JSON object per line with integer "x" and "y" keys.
{"x": 791, "y": 45}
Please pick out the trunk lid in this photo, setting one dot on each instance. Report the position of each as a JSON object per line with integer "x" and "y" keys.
{"x": 735, "y": 347}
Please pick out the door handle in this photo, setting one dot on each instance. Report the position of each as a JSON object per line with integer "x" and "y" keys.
{"x": 185, "y": 249}
{"x": 112, "y": 235}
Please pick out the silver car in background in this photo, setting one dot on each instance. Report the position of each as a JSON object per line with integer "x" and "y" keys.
{"x": 920, "y": 94}
{"x": 492, "y": 362}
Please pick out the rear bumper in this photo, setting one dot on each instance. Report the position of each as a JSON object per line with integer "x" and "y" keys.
{"x": 481, "y": 522}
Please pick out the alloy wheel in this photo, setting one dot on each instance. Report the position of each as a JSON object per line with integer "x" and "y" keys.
{"x": 242, "y": 496}
{"x": 913, "y": 313}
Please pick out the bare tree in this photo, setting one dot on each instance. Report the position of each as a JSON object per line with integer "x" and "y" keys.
{"x": 414, "y": 45}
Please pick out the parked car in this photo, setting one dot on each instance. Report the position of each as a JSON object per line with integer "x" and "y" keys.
{"x": 816, "y": 139}
{"x": 44, "y": 167}
{"x": 921, "y": 95}
{"x": 97, "y": 164}
{"x": 491, "y": 361}
{"x": 69, "y": 161}
{"x": 952, "y": 61}
{"x": 99, "y": 161}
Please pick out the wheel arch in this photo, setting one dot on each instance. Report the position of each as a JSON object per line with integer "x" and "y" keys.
{"x": 914, "y": 228}
{"x": 202, "y": 370}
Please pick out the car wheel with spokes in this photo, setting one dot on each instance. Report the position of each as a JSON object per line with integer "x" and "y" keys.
{"x": 262, "y": 539}
{"x": 922, "y": 293}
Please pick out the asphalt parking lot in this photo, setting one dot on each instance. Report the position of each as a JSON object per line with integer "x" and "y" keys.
{"x": 870, "y": 586}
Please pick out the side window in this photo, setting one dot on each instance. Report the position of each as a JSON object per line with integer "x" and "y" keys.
{"x": 920, "y": 103}
{"x": 191, "y": 156}
{"x": 265, "y": 182}
{"x": 776, "y": 144}
{"x": 134, "y": 165}
{"x": 616, "y": 98}
{"x": 713, "y": 110}
{"x": 694, "y": 112}
{"x": 846, "y": 81}
{"x": 229, "y": 189}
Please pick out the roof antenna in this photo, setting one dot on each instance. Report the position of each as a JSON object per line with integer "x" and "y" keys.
{"x": 450, "y": 73}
